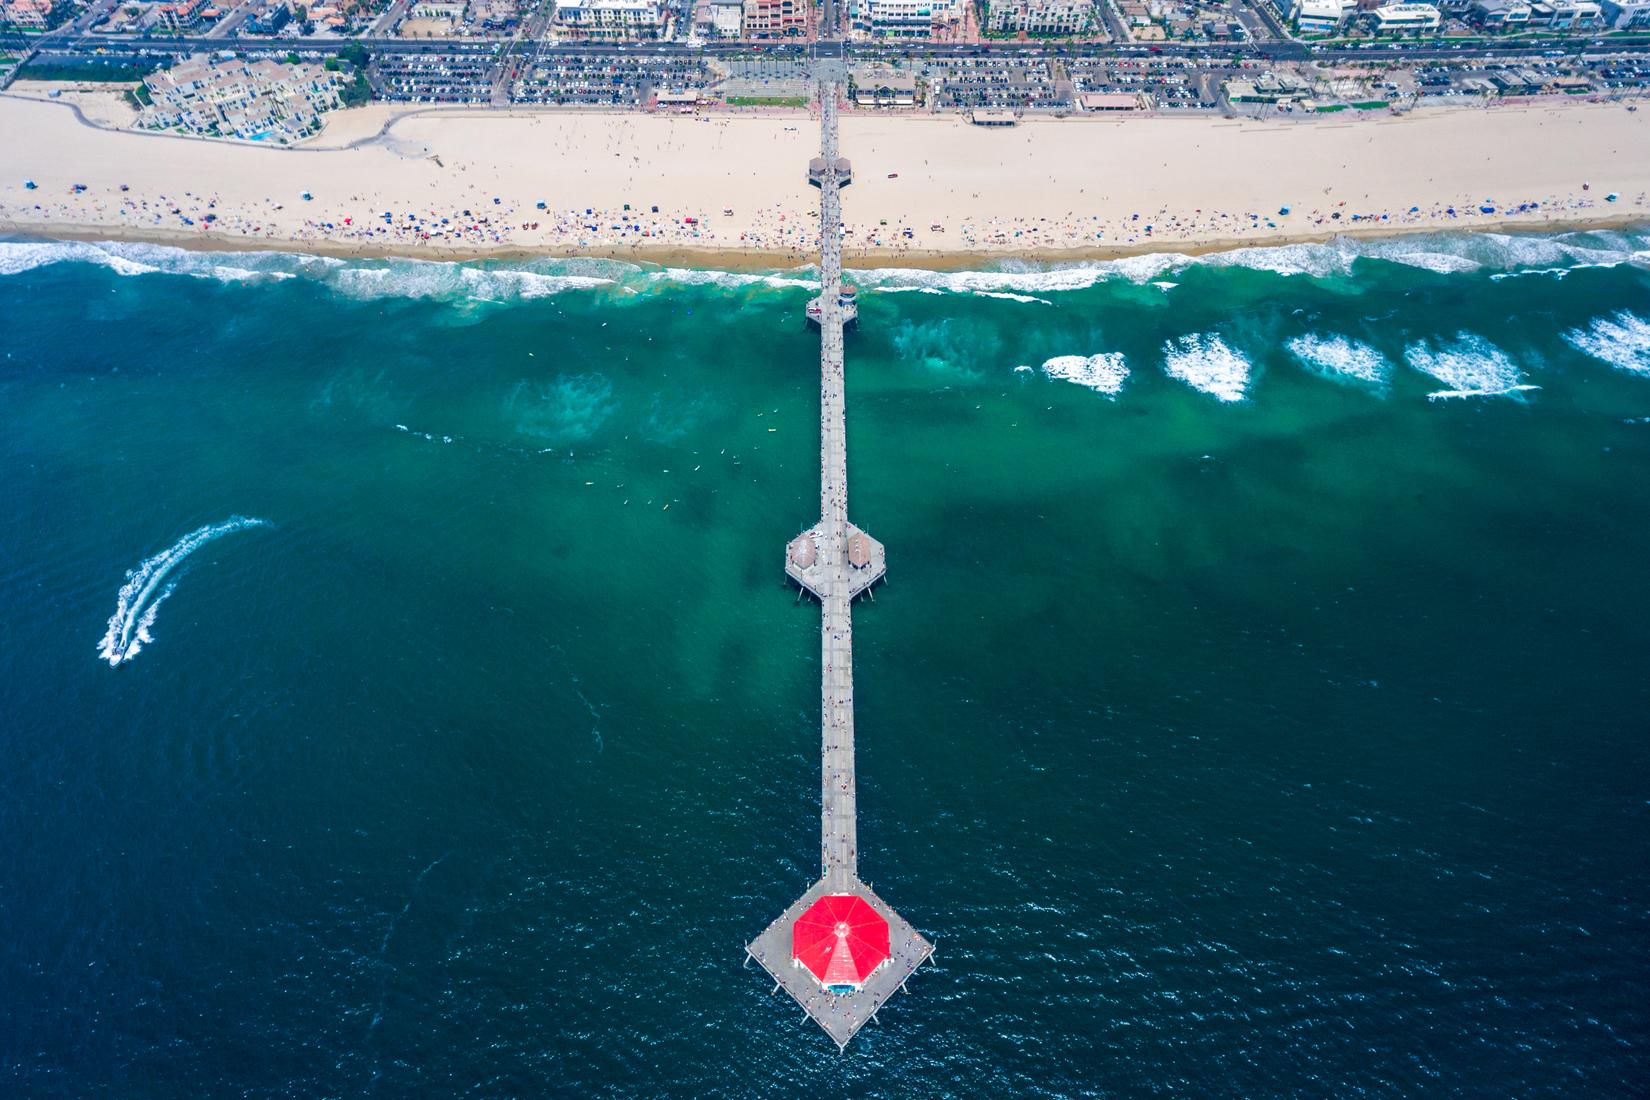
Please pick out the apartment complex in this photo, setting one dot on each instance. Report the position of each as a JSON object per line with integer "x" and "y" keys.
{"x": 1060, "y": 17}
{"x": 33, "y": 15}
{"x": 907, "y": 18}
{"x": 610, "y": 19}
{"x": 776, "y": 18}
{"x": 252, "y": 100}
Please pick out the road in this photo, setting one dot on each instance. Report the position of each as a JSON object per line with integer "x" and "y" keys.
{"x": 1279, "y": 51}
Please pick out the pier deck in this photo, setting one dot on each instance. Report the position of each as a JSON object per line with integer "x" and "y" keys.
{"x": 836, "y": 561}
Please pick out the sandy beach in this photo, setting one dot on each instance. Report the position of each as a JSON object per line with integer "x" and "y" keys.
{"x": 730, "y": 190}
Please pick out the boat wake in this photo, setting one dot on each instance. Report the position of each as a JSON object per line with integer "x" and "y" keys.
{"x": 147, "y": 587}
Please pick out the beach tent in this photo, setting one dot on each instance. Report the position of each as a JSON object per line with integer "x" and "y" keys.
{"x": 840, "y": 939}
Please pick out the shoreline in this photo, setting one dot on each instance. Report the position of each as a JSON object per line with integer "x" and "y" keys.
{"x": 752, "y": 260}
{"x": 732, "y": 193}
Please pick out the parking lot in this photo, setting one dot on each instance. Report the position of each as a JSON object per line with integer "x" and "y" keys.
{"x": 991, "y": 82}
{"x": 566, "y": 81}
{"x": 1171, "y": 83}
{"x": 434, "y": 77}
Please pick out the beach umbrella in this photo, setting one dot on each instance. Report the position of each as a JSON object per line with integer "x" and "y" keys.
{"x": 28, "y": 185}
{"x": 841, "y": 940}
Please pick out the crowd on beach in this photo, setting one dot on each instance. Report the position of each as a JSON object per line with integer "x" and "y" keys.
{"x": 474, "y": 205}
{"x": 488, "y": 221}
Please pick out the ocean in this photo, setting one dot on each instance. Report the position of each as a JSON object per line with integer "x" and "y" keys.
{"x": 402, "y": 695}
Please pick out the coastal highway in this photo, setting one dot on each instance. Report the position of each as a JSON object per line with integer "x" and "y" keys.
{"x": 78, "y": 46}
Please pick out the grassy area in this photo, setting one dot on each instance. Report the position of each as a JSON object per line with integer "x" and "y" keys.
{"x": 767, "y": 101}
{"x": 1372, "y": 105}
{"x": 111, "y": 74}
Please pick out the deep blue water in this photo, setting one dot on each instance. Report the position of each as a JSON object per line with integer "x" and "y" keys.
{"x": 1242, "y": 716}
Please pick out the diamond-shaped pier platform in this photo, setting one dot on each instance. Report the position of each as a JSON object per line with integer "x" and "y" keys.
{"x": 841, "y": 1014}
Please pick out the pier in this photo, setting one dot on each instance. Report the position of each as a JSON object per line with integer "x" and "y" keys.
{"x": 840, "y": 951}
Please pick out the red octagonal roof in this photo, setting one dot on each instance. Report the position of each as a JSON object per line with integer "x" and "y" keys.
{"x": 840, "y": 939}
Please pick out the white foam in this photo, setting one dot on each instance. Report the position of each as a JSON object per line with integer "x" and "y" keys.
{"x": 137, "y": 604}
{"x": 125, "y": 258}
{"x": 1468, "y": 364}
{"x": 1204, "y": 362}
{"x": 1621, "y": 340}
{"x": 689, "y": 276}
{"x": 1320, "y": 260}
{"x": 1445, "y": 395}
{"x": 17, "y": 257}
{"x": 1341, "y": 358}
{"x": 1105, "y": 372}
{"x": 1007, "y": 296}
{"x": 454, "y": 281}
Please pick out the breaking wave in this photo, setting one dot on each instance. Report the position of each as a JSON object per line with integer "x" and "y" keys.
{"x": 1445, "y": 253}
{"x": 1341, "y": 358}
{"x": 425, "y": 279}
{"x": 140, "y": 597}
{"x": 1469, "y": 365}
{"x": 729, "y": 280}
{"x": 1105, "y": 372}
{"x": 1621, "y": 340}
{"x": 1205, "y": 362}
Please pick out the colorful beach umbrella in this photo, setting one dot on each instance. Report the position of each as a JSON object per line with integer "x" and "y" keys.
{"x": 840, "y": 939}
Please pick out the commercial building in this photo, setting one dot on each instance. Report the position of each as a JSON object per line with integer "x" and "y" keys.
{"x": 908, "y": 18}
{"x": 883, "y": 86}
{"x": 33, "y": 15}
{"x": 1322, "y": 16}
{"x": 727, "y": 18}
{"x": 1501, "y": 15}
{"x": 1622, "y": 15}
{"x": 185, "y": 15}
{"x": 775, "y": 18}
{"x": 1283, "y": 87}
{"x": 1059, "y": 17}
{"x": 1405, "y": 18}
{"x": 610, "y": 19}
{"x": 1562, "y": 15}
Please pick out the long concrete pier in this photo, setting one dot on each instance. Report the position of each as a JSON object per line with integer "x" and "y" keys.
{"x": 836, "y": 562}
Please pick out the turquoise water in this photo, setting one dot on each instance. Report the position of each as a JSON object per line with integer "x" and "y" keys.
{"x": 1242, "y": 716}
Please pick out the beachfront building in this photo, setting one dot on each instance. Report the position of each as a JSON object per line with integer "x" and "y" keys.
{"x": 1500, "y": 15}
{"x": 1405, "y": 18}
{"x": 252, "y": 100}
{"x": 878, "y": 85}
{"x": 185, "y": 15}
{"x": 1623, "y": 15}
{"x": 1268, "y": 87}
{"x": 726, "y": 18}
{"x": 1563, "y": 15}
{"x": 30, "y": 15}
{"x": 610, "y": 19}
{"x": 1059, "y": 17}
{"x": 775, "y": 18}
{"x": 1323, "y": 16}
{"x": 908, "y": 18}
